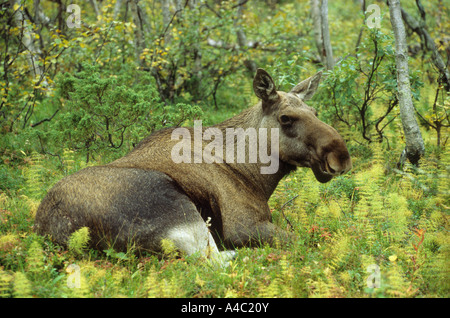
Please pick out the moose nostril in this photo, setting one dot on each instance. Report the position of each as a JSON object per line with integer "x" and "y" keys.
{"x": 330, "y": 170}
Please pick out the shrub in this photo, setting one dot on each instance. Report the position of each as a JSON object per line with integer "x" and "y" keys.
{"x": 102, "y": 111}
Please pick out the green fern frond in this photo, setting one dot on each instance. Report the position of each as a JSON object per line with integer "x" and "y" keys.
{"x": 79, "y": 240}
{"x": 33, "y": 174}
{"x": 22, "y": 286}
{"x": 68, "y": 158}
{"x": 152, "y": 285}
{"x": 35, "y": 259}
{"x": 162, "y": 288}
{"x": 83, "y": 290}
{"x": 169, "y": 249}
{"x": 5, "y": 284}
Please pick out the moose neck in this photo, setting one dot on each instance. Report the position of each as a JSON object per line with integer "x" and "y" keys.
{"x": 250, "y": 171}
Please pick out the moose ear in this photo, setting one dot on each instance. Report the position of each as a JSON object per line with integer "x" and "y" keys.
{"x": 264, "y": 87}
{"x": 306, "y": 89}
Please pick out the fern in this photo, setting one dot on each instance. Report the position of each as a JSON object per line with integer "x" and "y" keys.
{"x": 334, "y": 208}
{"x": 273, "y": 290}
{"x": 119, "y": 278}
{"x": 395, "y": 283}
{"x": 397, "y": 214}
{"x": 152, "y": 285}
{"x": 170, "y": 288}
{"x": 22, "y": 286}
{"x": 5, "y": 284}
{"x": 338, "y": 249}
{"x": 8, "y": 241}
{"x": 34, "y": 175}
{"x": 162, "y": 288}
{"x": 83, "y": 291}
{"x": 231, "y": 293}
{"x": 69, "y": 161}
{"x": 169, "y": 249}
{"x": 79, "y": 240}
{"x": 281, "y": 286}
{"x": 35, "y": 259}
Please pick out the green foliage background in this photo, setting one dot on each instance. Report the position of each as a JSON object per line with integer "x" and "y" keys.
{"x": 96, "y": 99}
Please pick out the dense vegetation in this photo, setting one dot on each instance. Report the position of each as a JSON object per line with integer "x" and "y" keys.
{"x": 73, "y": 97}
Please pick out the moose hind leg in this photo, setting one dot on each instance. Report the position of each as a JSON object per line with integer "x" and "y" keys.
{"x": 195, "y": 238}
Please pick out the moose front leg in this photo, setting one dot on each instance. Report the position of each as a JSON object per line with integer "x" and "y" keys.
{"x": 257, "y": 235}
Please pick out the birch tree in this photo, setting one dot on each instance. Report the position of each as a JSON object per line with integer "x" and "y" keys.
{"x": 317, "y": 28}
{"x": 241, "y": 37}
{"x": 138, "y": 31}
{"x": 414, "y": 143}
{"x": 96, "y": 8}
{"x": 28, "y": 41}
{"x": 326, "y": 35}
{"x": 166, "y": 14}
{"x": 319, "y": 13}
{"x": 117, "y": 7}
{"x": 428, "y": 41}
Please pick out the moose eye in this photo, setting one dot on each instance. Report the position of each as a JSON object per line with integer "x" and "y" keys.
{"x": 286, "y": 120}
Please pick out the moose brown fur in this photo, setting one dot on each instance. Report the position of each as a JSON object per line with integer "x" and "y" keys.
{"x": 145, "y": 197}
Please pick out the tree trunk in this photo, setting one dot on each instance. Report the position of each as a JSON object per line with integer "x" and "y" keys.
{"x": 165, "y": 7}
{"x": 196, "y": 78}
{"x": 414, "y": 143}
{"x": 326, "y": 35}
{"x": 437, "y": 59}
{"x": 138, "y": 31}
{"x": 39, "y": 16}
{"x": 117, "y": 8}
{"x": 317, "y": 26}
{"x": 95, "y": 7}
{"x": 242, "y": 38}
{"x": 27, "y": 41}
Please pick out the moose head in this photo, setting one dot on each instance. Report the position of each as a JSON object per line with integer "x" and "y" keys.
{"x": 305, "y": 141}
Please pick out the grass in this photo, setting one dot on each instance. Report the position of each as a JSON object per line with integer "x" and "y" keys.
{"x": 371, "y": 217}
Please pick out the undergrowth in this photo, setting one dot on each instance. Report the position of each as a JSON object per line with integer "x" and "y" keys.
{"x": 375, "y": 225}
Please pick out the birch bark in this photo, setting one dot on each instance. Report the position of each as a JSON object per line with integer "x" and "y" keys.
{"x": 326, "y": 35}
{"x": 414, "y": 143}
{"x": 317, "y": 27}
{"x": 28, "y": 41}
{"x": 138, "y": 31}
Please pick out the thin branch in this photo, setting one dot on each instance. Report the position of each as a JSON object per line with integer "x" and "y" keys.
{"x": 173, "y": 17}
{"x": 44, "y": 120}
{"x": 281, "y": 210}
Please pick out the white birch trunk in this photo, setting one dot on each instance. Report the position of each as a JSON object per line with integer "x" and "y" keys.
{"x": 165, "y": 7}
{"x": 138, "y": 31}
{"x": 28, "y": 41}
{"x": 117, "y": 8}
{"x": 317, "y": 27}
{"x": 242, "y": 38}
{"x": 96, "y": 9}
{"x": 326, "y": 35}
{"x": 414, "y": 143}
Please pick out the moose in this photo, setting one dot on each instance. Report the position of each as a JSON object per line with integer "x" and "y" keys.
{"x": 209, "y": 208}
